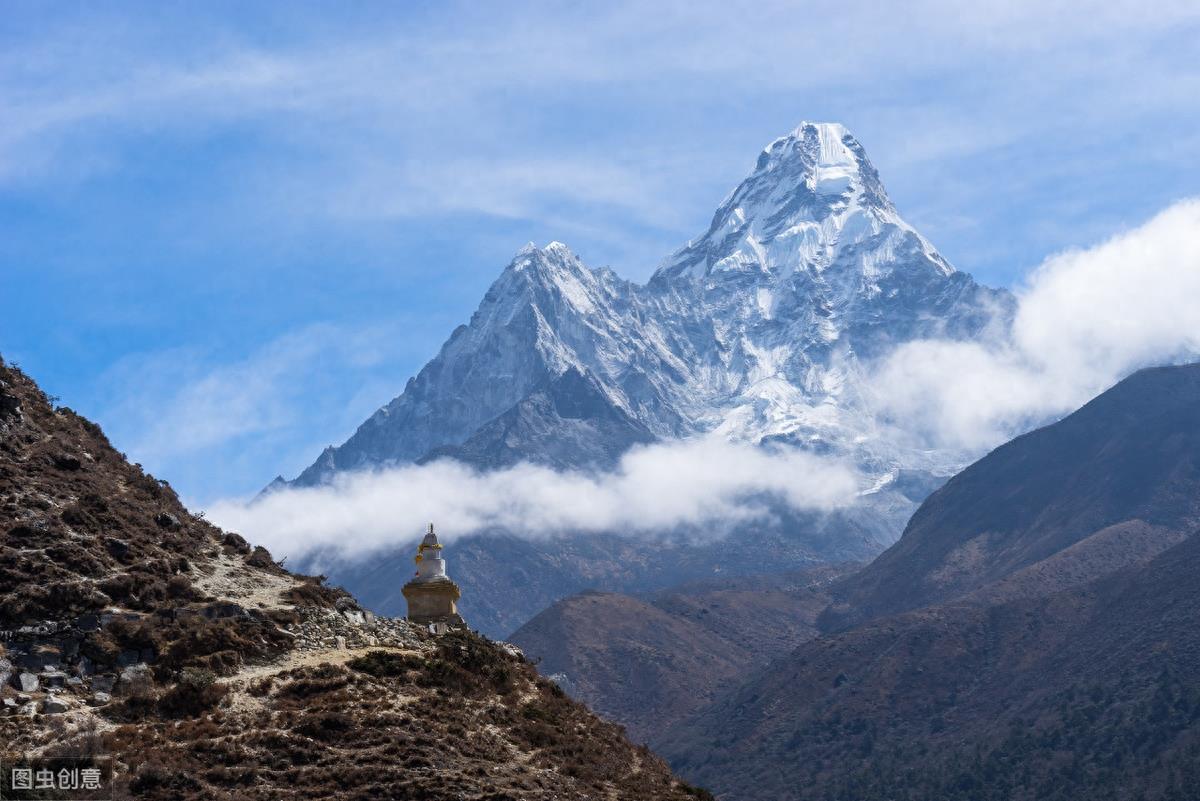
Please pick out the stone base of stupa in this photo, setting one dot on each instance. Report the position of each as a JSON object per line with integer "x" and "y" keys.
{"x": 433, "y": 602}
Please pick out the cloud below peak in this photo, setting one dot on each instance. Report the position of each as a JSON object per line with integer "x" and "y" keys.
{"x": 655, "y": 488}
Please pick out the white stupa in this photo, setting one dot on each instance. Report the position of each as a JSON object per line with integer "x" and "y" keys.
{"x": 432, "y": 597}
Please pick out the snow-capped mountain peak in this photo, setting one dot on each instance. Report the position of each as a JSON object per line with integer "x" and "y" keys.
{"x": 763, "y": 330}
{"x": 813, "y": 196}
{"x": 755, "y": 330}
{"x": 827, "y": 146}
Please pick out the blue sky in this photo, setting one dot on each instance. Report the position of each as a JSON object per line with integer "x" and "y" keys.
{"x": 229, "y": 234}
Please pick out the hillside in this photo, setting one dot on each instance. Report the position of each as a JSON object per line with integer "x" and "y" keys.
{"x": 649, "y": 662}
{"x": 1065, "y": 664}
{"x": 1088, "y": 693}
{"x": 1127, "y": 458}
{"x": 139, "y": 631}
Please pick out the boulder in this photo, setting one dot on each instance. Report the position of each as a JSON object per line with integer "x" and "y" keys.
{"x": 511, "y": 650}
{"x": 28, "y": 660}
{"x": 104, "y": 683}
{"x": 67, "y": 462}
{"x": 216, "y": 611}
{"x": 26, "y": 682}
{"x": 70, "y": 647}
{"x": 100, "y": 699}
{"x": 54, "y": 705}
{"x": 6, "y": 671}
{"x": 117, "y": 547}
{"x": 167, "y": 520}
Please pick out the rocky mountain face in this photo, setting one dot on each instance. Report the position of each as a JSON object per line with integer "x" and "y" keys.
{"x": 135, "y": 631}
{"x": 1031, "y": 635}
{"x": 757, "y": 328}
{"x": 761, "y": 330}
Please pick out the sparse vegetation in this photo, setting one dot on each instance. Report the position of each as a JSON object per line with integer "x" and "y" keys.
{"x": 441, "y": 721}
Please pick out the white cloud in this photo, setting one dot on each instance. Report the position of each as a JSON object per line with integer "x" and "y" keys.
{"x": 1086, "y": 319}
{"x": 655, "y": 488}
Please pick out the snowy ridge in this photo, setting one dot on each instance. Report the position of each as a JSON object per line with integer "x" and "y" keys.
{"x": 759, "y": 330}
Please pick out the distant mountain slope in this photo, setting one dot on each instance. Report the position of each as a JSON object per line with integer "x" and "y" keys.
{"x": 1132, "y": 454}
{"x": 135, "y": 630}
{"x": 648, "y": 662}
{"x": 567, "y": 419}
{"x": 1092, "y": 692}
{"x": 1062, "y": 661}
{"x": 509, "y": 578}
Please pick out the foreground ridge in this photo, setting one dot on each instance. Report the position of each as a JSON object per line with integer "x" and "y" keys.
{"x": 140, "y": 632}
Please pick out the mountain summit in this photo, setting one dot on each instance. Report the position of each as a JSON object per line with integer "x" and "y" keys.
{"x": 813, "y": 197}
{"x": 760, "y": 330}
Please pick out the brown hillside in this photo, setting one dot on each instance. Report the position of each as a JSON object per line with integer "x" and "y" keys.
{"x": 648, "y": 663}
{"x": 137, "y": 630}
{"x": 1092, "y": 692}
{"x": 1128, "y": 456}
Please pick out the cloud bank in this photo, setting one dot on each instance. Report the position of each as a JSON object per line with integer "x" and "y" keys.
{"x": 1086, "y": 319}
{"x": 654, "y": 488}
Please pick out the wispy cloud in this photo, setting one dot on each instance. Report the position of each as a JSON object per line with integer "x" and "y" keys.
{"x": 654, "y": 489}
{"x": 510, "y": 114}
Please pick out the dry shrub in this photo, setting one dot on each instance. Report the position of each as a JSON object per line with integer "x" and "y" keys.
{"x": 382, "y": 664}
{"x": 195, "y": 692}
{"x": 324, "y": 678}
